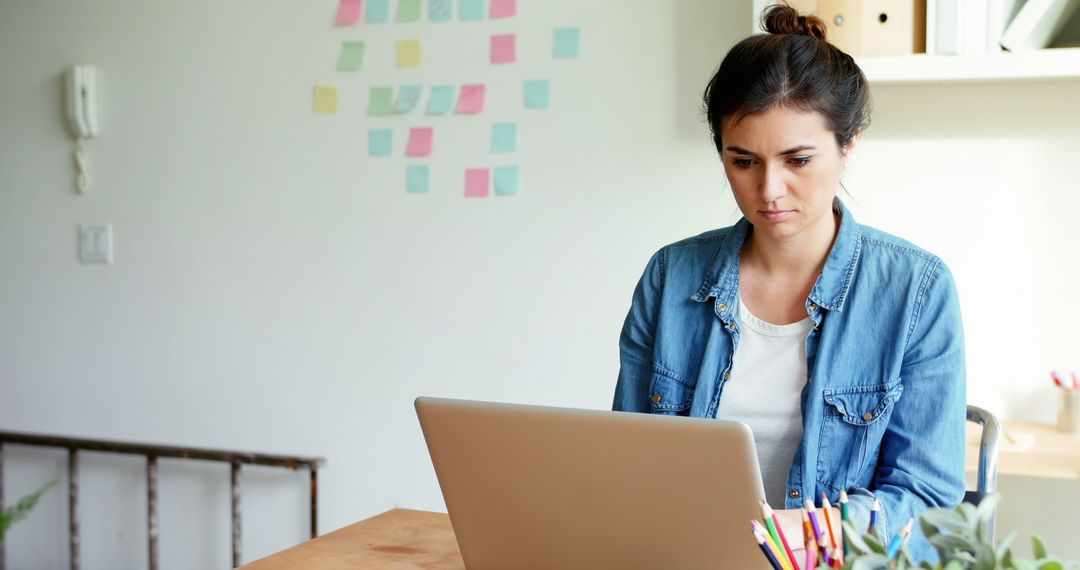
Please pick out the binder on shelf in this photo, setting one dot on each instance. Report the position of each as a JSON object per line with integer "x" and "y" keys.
{"x": 998, "y": 16}
{"x": 944, "y": 30}
{"x": 871, "y": 27}
{"x": 1036, "y": 24}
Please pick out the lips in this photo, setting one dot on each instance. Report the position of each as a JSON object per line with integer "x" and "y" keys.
{"x": 776, "y": 215}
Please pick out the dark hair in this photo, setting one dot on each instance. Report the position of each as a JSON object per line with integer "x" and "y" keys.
{"x": 792, "y": 66}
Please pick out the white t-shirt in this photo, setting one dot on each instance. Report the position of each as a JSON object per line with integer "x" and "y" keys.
{"x": 767, "y": 377}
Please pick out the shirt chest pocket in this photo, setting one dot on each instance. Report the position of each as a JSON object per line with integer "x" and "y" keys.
{"x": 669, "y": 396}
{"x": 851, "y": 431}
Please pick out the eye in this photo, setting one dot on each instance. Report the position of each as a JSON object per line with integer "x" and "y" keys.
{"x": 800, "y": 161}
{"x": 742, "y": 162}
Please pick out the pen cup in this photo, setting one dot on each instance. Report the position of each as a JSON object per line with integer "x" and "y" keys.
{"x": 1069, "y": 411}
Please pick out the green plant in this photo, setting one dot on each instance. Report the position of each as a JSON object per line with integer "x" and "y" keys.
{"x": 957, "y": 535}
{"x": 20, "y": 510}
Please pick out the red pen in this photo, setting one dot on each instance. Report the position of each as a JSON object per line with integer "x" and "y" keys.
{"x": 1057, "y": 379}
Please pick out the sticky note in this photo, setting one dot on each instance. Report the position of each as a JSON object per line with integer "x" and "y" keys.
{"x": 441, "y": 100}
{"x": 326, "y": 99}
{"x": 420, "y": 141}
{"x": 408, "y": 53}
{"x": 471, "y": 100}
{"x": 348, "y": 11}
{"x": 440, "y": 10}
{"x": 352, "y": 56}
{"x": 477, "y": 183}
{"x": 417, "y": 179}
{"x": 378, "y": 11}
{"x": 504, "y": 137}
{"x": 503, "y": 8}
{"x": 471, "y": 10}
{"x": 567, "y": 42}
{"x": 502, "y": 48}
{"x": 506, "y": 180}
{"x": 408, "y": 11}
{"x": 380, "y": 142}
{"x": 537, "y": 93}
{"x": 408, "y": 98}
{"x": 381, "y": 101}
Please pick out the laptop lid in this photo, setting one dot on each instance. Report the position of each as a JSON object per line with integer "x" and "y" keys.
{"x": 542, "y": 487}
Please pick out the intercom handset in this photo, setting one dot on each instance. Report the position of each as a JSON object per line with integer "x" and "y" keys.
{"x": 81, "y": 86}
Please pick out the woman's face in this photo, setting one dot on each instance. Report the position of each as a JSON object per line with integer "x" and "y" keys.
{"x": 784, "y": 167}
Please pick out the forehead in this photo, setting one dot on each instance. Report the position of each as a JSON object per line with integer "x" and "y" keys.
{"x": 776, "y": 127}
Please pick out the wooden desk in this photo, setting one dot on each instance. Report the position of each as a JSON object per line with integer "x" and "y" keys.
{"x": 1054, "y": 455}
{"x": 398, "y": 539}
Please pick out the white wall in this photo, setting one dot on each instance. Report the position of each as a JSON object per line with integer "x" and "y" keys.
{"x": 276, "y": 290}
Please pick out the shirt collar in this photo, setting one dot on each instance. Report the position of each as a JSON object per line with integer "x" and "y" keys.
{"x": 829, "y": 291}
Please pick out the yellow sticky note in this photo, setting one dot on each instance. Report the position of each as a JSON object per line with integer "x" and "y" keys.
{"x": 326, "y": 99}
{"x": 408, "y": 53}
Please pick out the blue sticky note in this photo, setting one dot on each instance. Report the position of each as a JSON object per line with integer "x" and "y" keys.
{"x": 378, "y": 11}
{"x": 417, "y": 179}
{"x": 380, "y": 142}
{"x": 440, "y": 10}
{"x": 567, "y": 42}
{"x": 408, "y": 98}
{"x": 537, "y": 93}
{"x": 504, "y": 137}
{"x": 506, "y": 180}
{"x": 441, "y": 100}
{"x": 471, "y": 10}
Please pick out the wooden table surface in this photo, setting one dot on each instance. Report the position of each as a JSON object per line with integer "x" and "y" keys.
{"x": 400, "y": 538}
{"x": 1053, "y": 454}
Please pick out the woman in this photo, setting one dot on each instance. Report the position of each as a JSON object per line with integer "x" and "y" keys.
{"x": 840, "y": 345}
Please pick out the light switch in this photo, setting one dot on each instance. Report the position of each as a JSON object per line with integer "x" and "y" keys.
{"x": 95, "y": 243}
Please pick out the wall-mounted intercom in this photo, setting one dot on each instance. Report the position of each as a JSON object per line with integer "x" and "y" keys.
{"x": 81, "y": 86}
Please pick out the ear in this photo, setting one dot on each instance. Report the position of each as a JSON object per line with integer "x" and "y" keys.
{"x": 852, "y": 145}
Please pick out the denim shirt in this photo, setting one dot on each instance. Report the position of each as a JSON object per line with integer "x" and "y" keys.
{"x": 884, "y": 405}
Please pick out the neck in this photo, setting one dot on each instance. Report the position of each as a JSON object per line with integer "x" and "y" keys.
{"x": 793, "y": 256}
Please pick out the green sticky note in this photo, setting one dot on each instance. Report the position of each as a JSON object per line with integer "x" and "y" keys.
{"x": 537, "y": 94}
{"x": 441, "y": 100}
{"x": 408, "y": 10}
{"x": 471, "y": 10}
{"x": 417, "y": 179}
{"x": 440, "y": 10}
{"x": 378, "y": 11}
{"x": 381, "y": 103}
{"x": 352, "y": 56}
{"x": 504, "y": 137}
{"x": 567, "y": 42}
{"x": 506, "y": 180}
{"x": 380, "y": 142}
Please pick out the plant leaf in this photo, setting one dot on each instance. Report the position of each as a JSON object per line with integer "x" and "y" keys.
{"x": 942, "y": 520}
{"x": 953, "y": 542}
{"x": 870, "y": 562}
{"x": 1037, "y": 547}
{"x": 1003, "y": 547}
{"x": 12, "y": 515}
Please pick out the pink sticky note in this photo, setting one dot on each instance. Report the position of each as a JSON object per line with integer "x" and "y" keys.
{"x": 503, "y": 8}
{"x": 471, "y": 99}
{"x": 420, "y": 141}
{"x": 477, "y": 183}
{"x": 349, "y": 11}
{"x": 502, "y": 49}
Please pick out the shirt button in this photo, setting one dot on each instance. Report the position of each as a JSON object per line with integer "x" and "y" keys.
{"x": 731, "y": 326}
{"x": 868, "y": 416}
{"x": 817, "y": 328}
{"x": 813, "y": 307}
{"x": 794, "y": 494}
{"x": 656, "y": 398}
{"x": 727, "y": 376}
{"x": 722, "y": 307}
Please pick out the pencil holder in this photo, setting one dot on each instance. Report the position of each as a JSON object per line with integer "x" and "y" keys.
{"x": 1069, "y": 411}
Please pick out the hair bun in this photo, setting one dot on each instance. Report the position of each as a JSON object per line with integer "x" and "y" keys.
{"x": 783, "y": 19}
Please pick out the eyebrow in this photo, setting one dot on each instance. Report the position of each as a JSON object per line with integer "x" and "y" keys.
{"x": 793, "y": 150}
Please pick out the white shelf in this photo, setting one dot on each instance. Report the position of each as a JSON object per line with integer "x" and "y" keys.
{"x": 1051, "y": 63}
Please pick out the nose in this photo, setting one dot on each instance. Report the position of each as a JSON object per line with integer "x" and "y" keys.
{"x": 772, "y": 184}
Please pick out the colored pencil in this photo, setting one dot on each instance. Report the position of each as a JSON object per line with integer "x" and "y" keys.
{"x": 826, "y": 511}
{"x": 807, "y": 530}
{"x": 845, "y": 516}
{"x": 837, "y": 560}
{"x": 898, "y": 540}
{"x": 761, "y": 539}
{"x": 874, "y": 508}
{"x": 811, "y": 554}
{"x": 1075, "y": 380}
{"x": 812, "y": 515}
{"x": 778, "y": 533}
{"x": 779, "y": 554}
{"x": 1057, "y": 379}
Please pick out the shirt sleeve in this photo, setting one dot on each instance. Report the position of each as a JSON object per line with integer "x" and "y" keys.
{"x": 921, "y": 463}
{"x": 636, "y": 340}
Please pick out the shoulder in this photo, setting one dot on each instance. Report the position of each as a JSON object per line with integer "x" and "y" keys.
{"x": 898, "y": 254}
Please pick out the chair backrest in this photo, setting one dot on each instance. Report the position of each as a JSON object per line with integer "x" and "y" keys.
{"x": 986, "y": 481}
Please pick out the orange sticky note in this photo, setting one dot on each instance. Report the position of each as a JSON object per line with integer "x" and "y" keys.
{"x": 420, "y": 141}
{"x": 471, "y": 100}
{"x": 348, "y": 11}
{"x": 477, "y": 183}
{"x": 502, "y": 49}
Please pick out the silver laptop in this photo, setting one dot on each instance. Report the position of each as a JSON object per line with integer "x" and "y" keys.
{"x": 552, "y": 488}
